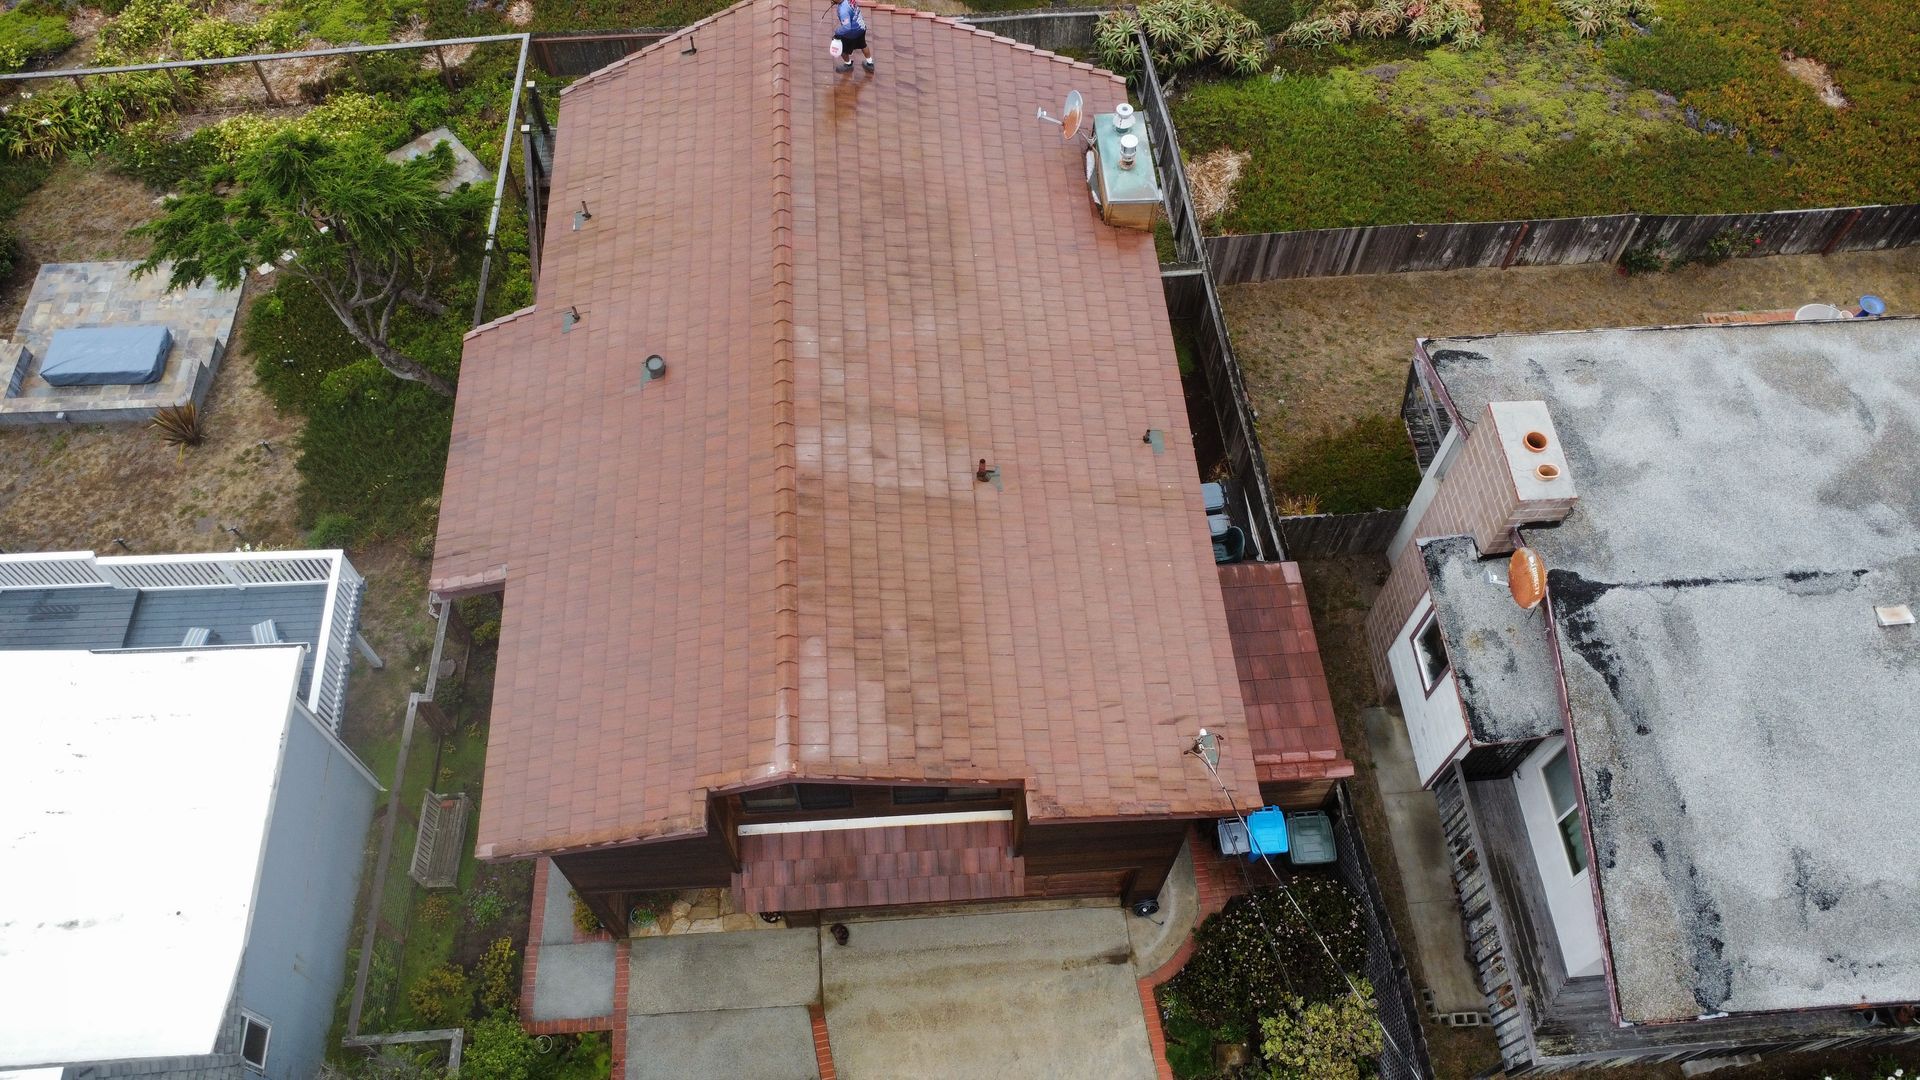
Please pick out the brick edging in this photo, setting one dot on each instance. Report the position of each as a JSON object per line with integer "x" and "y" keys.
{"x": 822, "y": 1047}
{"x": 531, "y": 962}
{"x": 622, "y": 972}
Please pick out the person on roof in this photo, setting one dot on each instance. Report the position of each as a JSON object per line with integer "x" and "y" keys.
{"x": 850, "y": 34}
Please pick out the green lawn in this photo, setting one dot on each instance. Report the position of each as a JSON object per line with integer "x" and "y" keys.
{"x": 1700, "y": 115}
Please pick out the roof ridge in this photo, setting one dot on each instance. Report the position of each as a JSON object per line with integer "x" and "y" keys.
{"x": 786, "y": 486}
{"x": 618, "y": 65}
{"x": 496, "y": 323}
{"x": 962, "y": 23}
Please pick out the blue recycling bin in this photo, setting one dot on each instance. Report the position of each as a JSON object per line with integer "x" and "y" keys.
{"x": 1266, "y": 833}
{"x": 1870, "y": 307}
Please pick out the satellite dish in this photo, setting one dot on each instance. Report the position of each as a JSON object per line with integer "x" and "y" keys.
{"x": 1073, "y": 112}
{"x": 1071, "y": 115}
{"x": 1526, "y": 578}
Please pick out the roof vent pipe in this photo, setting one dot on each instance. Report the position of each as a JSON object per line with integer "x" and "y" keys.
{"x": 1129, "y": 149}
{"x": 1123, "y": 117}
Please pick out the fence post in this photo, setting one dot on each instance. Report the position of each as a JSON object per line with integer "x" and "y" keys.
{"x": 1841, "y": 233}
{"x": 261, "y": 74}
{"x": 1513, "y": 249}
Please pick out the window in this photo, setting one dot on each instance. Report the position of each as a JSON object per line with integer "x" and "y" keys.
{"x": 253, "y": 1040}
{"x": 1566, "y": 810}
{"x": 798, "y": 797}
{"x": 1431, "y": 653}
{"x": 914, "y": 796}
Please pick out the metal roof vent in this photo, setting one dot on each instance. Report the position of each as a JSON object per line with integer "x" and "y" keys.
{"x": 656, "y": 368}
{"x": 1894, "y": 615}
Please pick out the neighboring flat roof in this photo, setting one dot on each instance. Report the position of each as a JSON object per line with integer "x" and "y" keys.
{"x": 1745, "y": 729}
{"x": 104, "y": 617}
{"x": 776, "y": 560}
{"x": 1502, "y": 665}
{"x": 134, "y": 797}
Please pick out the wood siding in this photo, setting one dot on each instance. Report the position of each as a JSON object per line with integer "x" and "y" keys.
{"x": 1143, "y": 850}
{"x": 1394, "y": 249}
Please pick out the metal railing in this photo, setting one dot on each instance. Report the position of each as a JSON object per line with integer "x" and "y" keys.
{"x": 339, "y": 615}
{"x": 50, "y": 570}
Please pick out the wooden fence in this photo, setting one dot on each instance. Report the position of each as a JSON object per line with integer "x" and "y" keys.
{"x": 1194, "y": 303}
{"x": 1394, "y": 249}
{"x": 571, "y": 55}
{"x": 1321, "y": 535}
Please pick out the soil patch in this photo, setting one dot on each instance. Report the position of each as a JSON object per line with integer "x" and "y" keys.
{"x": 1323, "y": 353}
{"x": 1815, "y": 74}
{"x": 81, "y": 214}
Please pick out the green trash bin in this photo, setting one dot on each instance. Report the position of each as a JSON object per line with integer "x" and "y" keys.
{"x": 1310, "y": 836}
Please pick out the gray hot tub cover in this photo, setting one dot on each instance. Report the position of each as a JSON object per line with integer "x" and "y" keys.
{"x": 106, "y": 355}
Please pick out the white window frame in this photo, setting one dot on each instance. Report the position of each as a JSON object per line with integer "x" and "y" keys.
{"x": 252, "y": 1019}
{"x": 1572, "y": 811}
{"x": 1430, "y": 681}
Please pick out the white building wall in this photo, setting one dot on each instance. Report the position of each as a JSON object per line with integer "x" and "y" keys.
{"x": 1569, "y": 895}
{"x": 1436, "y": 723}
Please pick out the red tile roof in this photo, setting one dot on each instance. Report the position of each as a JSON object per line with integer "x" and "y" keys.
{"x": 1289, "y": 709}
{"x": 906, "y": 864}
{"x": 776, "y": 561}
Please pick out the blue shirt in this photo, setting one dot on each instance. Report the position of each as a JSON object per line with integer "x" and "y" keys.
{"x": 851, "y": 21}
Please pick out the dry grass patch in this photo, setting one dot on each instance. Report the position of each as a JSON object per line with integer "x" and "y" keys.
{"x": 1324, "y": 353}
{"x": 1211, "y": 178}
{"x": 68, "y": 488}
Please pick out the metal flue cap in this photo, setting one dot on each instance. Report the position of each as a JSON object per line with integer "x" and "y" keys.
{"x": 656, "y": 366}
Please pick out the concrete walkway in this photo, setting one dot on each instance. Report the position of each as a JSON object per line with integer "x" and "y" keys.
{"x": 1420, "y": 853}
{"x": 723, "y": 1005}
{"x": 1014, "y": 994}
{"x": 574, "y": 979}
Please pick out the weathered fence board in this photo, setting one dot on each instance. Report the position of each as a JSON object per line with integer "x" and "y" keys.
{"x": 1320, "y": 535}
{"x": 1395, "y": 249}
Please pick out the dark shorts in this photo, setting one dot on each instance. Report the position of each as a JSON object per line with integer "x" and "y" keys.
{"x": 852, "y": 42}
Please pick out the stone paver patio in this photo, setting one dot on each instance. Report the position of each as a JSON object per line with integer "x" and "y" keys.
{"x": 69, "y": 295}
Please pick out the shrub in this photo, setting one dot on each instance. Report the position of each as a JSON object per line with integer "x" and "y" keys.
{"x": 485, "y": 907}
{"x": 334, "y": 530}
{"x": 435, "y": 908}
{"x": 584, "y": 919}
{"x": 440, "y": 996}
{"x": 374, "y": 447}
{"x": 1647, "y": 258}
{"x": 183, "y": 30}
{"x": 149, "y": 152}
{"x": 1604, "y": 18}
{"x": 1726, "y": 244}
{"x": 1429, "y": 22}
{"x": 1368, "y": 466}
{"x": 486, "y": 633}
{"x": 30, "y": 32}
{"x": 55, "y": 122}
{"x": 500, "y": 1050}
{"x": 1190, "y": 1042}
{"x": 180, "y": 425}
{"x": 498, "y": 976}
{"x": 1183, "y": 34}
{"x": 1677, "y": 59}
{"x": 1274, "y": 16}
{"x": 1259, "y": 949}
{"x": 1330, "y": 1040}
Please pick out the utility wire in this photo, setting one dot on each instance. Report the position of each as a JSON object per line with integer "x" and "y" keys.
{"x": 1352, "y": 987}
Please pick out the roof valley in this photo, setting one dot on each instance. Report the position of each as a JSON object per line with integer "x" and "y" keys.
{"x": 786, "y": 512}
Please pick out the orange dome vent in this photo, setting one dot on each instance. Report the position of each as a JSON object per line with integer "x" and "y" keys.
{"x": 1527, "y": 578}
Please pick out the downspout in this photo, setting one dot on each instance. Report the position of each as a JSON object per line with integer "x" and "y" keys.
{"x": 1580, "y": 798}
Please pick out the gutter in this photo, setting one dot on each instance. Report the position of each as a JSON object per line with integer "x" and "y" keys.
{"x": 1580, "y": 797}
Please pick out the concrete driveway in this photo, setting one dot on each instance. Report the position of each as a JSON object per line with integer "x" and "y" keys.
{"x": 1017, "y": 994}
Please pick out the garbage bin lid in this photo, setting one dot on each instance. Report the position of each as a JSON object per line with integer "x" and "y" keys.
{"x": 1219, "y": 524}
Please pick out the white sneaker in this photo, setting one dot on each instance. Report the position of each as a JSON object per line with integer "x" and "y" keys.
{"x": 869, "y": 67}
